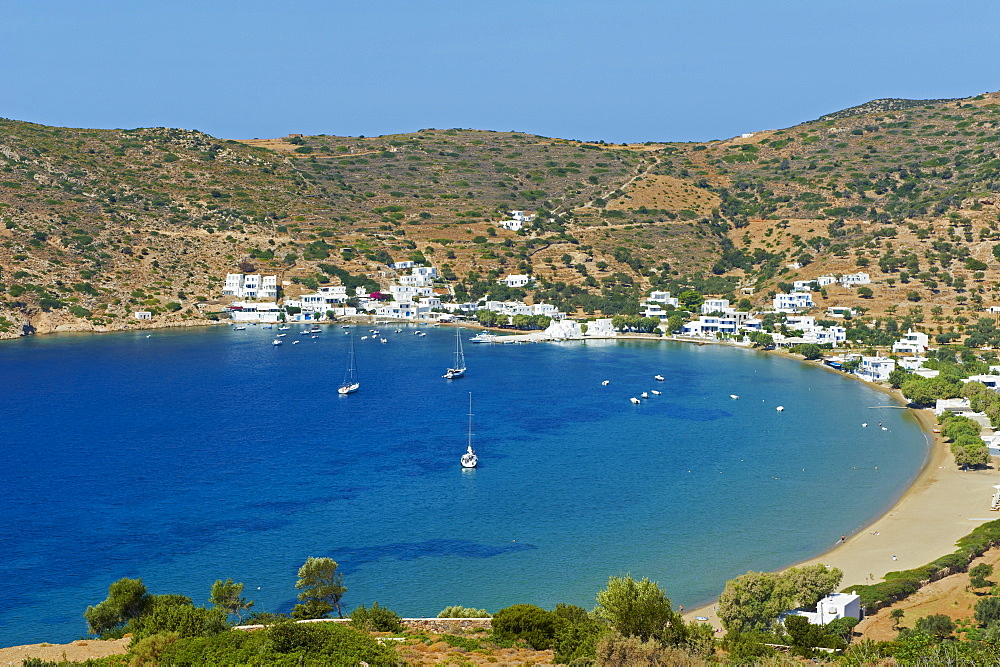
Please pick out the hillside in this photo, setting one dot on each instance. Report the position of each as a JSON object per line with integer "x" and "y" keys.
{"x": 100, "y": 223}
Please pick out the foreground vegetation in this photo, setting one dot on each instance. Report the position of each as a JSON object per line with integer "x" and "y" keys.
{"x": 633, "y": 622}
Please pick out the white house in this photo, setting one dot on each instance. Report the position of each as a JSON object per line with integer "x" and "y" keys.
{"x": 565, "y": 329}
{"x": 839, "y": 311}
{"x": 143, "y": 315}
{"x": 790, "y": 303}
{"x": 913, "y": 343}
{"x": 521, "y": 216}
{"x": 851, "y": 279}
{"x": 957, "y": 406}
{"x": 991, "y": 381}
{"x": 516, "y": 280}
{"x": 511, "y": 225}
{"x": 546, "y": 309}
{"x": 657, "y": 311}
{"x": 248, "y": 311}
{"x": 251, "y": 286}
{"x": 399, "y": 266}
{"x": 664, "y": 298}
{"x": 601, "y": 329}
{"x": 876, "y": 369}
{"x": 830, "y": 608}
{"x": 800, "y": 322}
{"x": 715, "y": 306}
{"x": 824, "y": 335}
{"x": 813, "y": 283}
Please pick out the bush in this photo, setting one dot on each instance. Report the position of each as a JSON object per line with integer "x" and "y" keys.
{"x": 528, "y": 622}
{"x": 457, "y": 611}
{"x": 378, "y": 619}
{"x": 988, "y": 611}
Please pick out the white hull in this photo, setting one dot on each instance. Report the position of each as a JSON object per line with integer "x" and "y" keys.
{"x": 349, "y": 388}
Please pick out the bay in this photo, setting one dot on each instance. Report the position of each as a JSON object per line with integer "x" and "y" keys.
{"x": 186, "y": 456}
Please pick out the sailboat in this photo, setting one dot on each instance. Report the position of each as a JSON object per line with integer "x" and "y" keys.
{"x": 350, "y": 384}
{"x": 469, "y": 458}
{"x": 458, "y": 370}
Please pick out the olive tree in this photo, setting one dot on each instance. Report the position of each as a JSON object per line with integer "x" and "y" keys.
{"x": 228, "y": 596}
{"x": 320, "y": 589}
{"x": 635, "y": 608}
{"x": 127, "y": 599}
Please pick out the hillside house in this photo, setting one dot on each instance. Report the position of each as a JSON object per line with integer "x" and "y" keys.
{"x": 791, "y": 303}
{"x": 913, "y": 343}
{"x": 251, "y": 286}
{"x": 515, "y": 280}
{"x": 854, "y": 279}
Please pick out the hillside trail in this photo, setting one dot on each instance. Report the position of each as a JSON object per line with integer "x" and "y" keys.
{"x": 641, "y": 170}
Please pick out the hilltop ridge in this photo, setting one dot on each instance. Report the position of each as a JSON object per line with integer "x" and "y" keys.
{"x": 99, "y": 223}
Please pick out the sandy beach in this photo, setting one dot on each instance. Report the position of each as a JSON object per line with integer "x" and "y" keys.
{"x": 942, "y": 505}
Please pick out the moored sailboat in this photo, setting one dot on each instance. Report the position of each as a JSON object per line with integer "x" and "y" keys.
{"x": 458, "y": 368}
{"x": 350, "y": 383}
{"x": 469, "y": 458}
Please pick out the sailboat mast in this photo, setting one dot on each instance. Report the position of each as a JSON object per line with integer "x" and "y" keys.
{"x": 470, "y": 420}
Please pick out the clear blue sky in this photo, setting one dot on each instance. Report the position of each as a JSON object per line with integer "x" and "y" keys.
{"x": 628, "y": 70}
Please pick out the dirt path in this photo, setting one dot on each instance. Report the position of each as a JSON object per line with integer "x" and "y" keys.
{"x": 78, "y": 651}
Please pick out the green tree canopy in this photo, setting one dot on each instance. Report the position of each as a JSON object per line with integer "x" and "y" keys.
{"x": 635, "y": 608}
{"x": 320, "y": 589}
{"x": 127, "y": 599}
{"x": 228, "y": 596}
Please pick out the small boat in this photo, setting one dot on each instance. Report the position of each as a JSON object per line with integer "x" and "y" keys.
{"x": 655, "y": 393}
{"x": 643, "y": 395}
{"x": 398, "y": 331}
{"x": 383, "y": 340}
{"x": 267, "y": 326}
{"x": 635, "y": 401}
{"x": 457, "y": 369}
{"x": 658, "y": 378}
{"x": 282, "y": 335}
{"x": 315, "y": 330}
{"x": 295, "y": 342}
{"x": 284, "y": 327}
{"x": 780, "y": 408}
{"x": 345, "y": 326}
{"x": 364, "y": 338}
{"x": 350, "y": 383}
{"x": 421, "y": 333}
{"x": 606, "y": 383}
{"x": 734, "y": 397}
{"x": 484, "y": 337}
{"x": 239, "y": 328}
{"x": 314, "y": 336}
{"x": 469, "y": 458}
{"x": 276, "y": 341}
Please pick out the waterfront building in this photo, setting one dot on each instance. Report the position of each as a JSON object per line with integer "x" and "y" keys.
{"x": 876, "y": 369}
{"x": 715, "y": 306}
{"x": 251, "y": 286}
{"x": 252, "y": 311}
{"x": 830, "y": 608}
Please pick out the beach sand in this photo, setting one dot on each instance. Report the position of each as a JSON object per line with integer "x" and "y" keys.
{"x": 942, "y": 505}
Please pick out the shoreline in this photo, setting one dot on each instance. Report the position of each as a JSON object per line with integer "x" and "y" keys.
{"x": 941, "y": 505}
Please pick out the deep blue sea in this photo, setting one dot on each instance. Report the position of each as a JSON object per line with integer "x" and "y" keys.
{"x": 186, "y": 456}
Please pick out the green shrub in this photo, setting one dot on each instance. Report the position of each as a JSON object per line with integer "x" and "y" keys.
{"x": 457, "y": 611}
{"x": 377, "y": 618}
{"x": 528, "y": 622}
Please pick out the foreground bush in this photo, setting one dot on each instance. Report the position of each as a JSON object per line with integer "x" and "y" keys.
{"x": 528, "y": 622}
{"x": 282, "y": 644}
{"x": 377, "y": 619}
{"x": 456, "y": 611}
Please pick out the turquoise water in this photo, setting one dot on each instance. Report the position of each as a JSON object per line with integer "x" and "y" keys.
{"x": 187, "y": 456}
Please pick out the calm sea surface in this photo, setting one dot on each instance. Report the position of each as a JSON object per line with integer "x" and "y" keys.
{"x": 187, "y": 456}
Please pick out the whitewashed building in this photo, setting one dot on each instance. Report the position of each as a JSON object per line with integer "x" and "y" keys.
{"x": 715, "y": 306}
{"x": 913, "y": 343}
{"x": 830, "y": 608}
{"x": 511, "y": 225}
{"x": 664, "y": 298}
{"x": 250, "y": 286}
{"x": 143, "y": 315}
{"x": 516, "y": 280}
{"x": 852, "y": 279}
{"x": 791, "y": 303}
{"x": 248, "y": 311}
{"x": 876, "y": 369}
{"x": 521, "y": 216}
